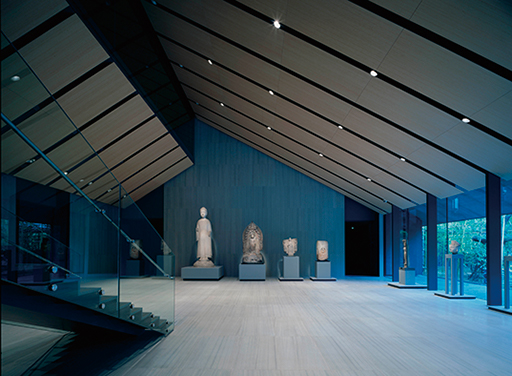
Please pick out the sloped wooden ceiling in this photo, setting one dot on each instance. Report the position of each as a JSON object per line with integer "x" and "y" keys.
{"x": 303, "y": 94}
{"x": 81, "y": 104}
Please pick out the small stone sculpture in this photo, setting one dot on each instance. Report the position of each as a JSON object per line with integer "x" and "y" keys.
{"x": 252, "y": 244}
{"x": 134, "y": 249}
{"x": 290, "y": 246}
{"x": 454, "y": 247}
{"x": 165, "y": 248}
{"x": 204, "y": 241}
{"x": 405, "y": 245}
{"x": 322, "y": 250}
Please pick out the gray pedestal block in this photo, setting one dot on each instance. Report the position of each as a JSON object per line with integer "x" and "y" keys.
{"x": 323, "y": 272}
{"x": 291, "y": 266}
{"x": 191, "y": 272}
{"x": 252, "y": 272}
{"x": 407, "y": 276}
{"x": 166, "y": 262}
{"x": 134, "y": 268}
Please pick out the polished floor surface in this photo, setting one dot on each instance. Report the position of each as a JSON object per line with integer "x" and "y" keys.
{"x": 355, "y": 326}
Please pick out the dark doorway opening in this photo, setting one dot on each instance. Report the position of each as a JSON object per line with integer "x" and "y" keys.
{"x": 362, "y": 248}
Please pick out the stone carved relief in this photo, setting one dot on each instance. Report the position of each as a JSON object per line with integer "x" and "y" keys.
{"x": 322, "y": 250}
{"x": 290, "y": 246}
{"x": 252, "y": 239}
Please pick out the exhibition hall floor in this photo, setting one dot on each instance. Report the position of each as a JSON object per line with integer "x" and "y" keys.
{"x": 355, "y": 326}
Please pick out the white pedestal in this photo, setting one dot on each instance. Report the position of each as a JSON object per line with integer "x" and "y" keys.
{"x": 291, "y": 266}
{"x": 407, "y": 276}
{"x": 450, "y": 277}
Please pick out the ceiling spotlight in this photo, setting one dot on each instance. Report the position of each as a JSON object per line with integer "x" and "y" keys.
{"x": 65, "y": 172}
{"x": 210, "y": 62}
{"x": 81, "y": 180}
{"x": 222, "y": 104}
{"x": 373, "y": 73}
{"x": 181, "y": 66}
{"x": 154, "y": 2}
{"x": 271, "y": 92}
{"x": 109, "y": 190}
{"x": 368, "y": 179}
{"x": 465, "y": 120}
{"x": 89, "y": 183}
{"x": 340, "y": 127}
{"x": 320, "y": 155}
{"x": 269, "y": 128}
{"x": 402, "y": 159}
{"x": 277, "y": 25}
{"x": 31, "y": 160}
{"x": 385, "y": 201}
{"x": 15, "y": 78}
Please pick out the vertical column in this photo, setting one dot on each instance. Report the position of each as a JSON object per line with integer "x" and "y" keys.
{"x": 381, "y": 245}
{"x": 493, "y": 226}
{"x": 396, "y": 226}
{"x": 431, "y": 242}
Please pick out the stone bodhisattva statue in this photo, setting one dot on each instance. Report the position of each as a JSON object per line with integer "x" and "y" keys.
{"x": 204, "y": 241}
{"x": 322, "y": 250}
{"x": 252, "y": 245}
{"x": 290, "y": 246}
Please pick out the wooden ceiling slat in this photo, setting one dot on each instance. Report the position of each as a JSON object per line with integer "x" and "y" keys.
{"x": 38, "y": 172}
{"x": 64, "y": 53}
{"x": 15, "y": 152}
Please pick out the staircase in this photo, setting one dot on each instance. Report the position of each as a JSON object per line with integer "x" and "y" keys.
{"x": 63, "y": 304}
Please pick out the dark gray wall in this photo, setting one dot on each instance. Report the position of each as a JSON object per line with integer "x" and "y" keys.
{"x": 238, "y": 184}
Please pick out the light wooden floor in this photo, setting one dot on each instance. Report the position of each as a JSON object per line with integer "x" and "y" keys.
{"x": 356, "y": 326}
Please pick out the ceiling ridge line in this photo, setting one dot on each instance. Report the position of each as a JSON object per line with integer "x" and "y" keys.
{"x": 326, "y": 90}
{"x": 292, "y": 163}
{"x": 330, "y": 121}
{"x": 398, "y": 85}
{"x": 301, "y": 144}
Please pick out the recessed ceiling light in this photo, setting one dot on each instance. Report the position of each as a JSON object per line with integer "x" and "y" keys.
{"x": 277, "y": 25}
{"x": 340, "y": 127}
{"x": 181, "y": 66}
{"x": 15, "y": 78}
{"x": 465, "y": 120}
{"x": 385, "y": 201}
{"x": 109, "y": 190}
{"x": 81, "y": 180}
{"x": 269, "y": 128}
{"x": 89, "y": 183}
{"x": 210, "y": 62}
{"x": 368, "y": 179}
{"x": 65, "y": 172}
{"x": 154, "y": 2}
{"x": 320, "y": 155}
{"x": 271, "y": 92}
{"x": 373, "y": 73}
{"x": 402, "y": 159}
{"x": 222, "y": 104}
{"x": 31, "y": 160}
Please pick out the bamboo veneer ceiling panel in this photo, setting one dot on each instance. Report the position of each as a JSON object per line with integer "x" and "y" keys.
{"x": 95, "y": 95}
{"x": 20, "y": 96}
{"x": 117, "y": 122}
{"x": 427, "y": 68}
{"x": 497, "y": 115}
{"x": 494, "y": 18}
{"x": 19, "y": 17}
{"x": 15, "y": 152}
{"x": 133, "y": 142}
{"x": 38, "y": 172}
{"x": 64, "y": 53}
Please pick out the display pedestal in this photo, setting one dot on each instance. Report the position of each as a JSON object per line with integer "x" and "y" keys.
{"x": 192, "y": 273}
{"x": 323, "y": 272}
{"x": 166, "y": 262}
{"x": 507, "y": 261}
{"x": 291, "y": 269}
{"x": 450, "y": 273}
{"x": 134, "y": 268}
{"x": 252, "y": 272}
{"x": 407, "y": 279}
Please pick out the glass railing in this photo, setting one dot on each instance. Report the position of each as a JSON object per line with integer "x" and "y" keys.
{"x": 62, "y": 207}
